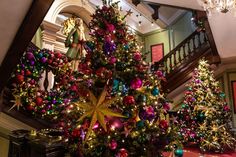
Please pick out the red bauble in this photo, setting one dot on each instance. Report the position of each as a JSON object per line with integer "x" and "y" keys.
{"x": 39, "y": 101}
{"x": 122, "y": 153}
{"x": 164, "y": 124}
{"x": 129, "y": 100}
{"x": 75, "y": 133}
{"x": 20, "y": 78}
{"x": 30, "y": 108}
{"x": 27, "y": 72}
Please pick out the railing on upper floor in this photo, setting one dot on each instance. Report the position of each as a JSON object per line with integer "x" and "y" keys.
{"x": 179, "y": 63}
{"x": 181, "y": 53}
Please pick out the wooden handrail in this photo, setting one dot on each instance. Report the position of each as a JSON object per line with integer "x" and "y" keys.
{"x": 183, "y": 51}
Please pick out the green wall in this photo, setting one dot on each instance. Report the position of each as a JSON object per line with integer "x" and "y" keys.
{"x": 182, "y": 29}
{"x": 171, "y": 36}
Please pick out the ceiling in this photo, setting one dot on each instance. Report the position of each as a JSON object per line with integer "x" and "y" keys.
{"x": 223, "y": 25}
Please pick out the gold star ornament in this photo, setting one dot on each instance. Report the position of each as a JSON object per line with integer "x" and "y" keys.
{"x": 17, "y": 102}
{"x": 97, "y": 109}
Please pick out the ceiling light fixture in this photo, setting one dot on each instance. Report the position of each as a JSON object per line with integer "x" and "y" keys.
{"x": 223, "y": 6}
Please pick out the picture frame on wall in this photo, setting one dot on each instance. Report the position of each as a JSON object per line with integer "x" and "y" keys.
{"x": 157, "y": 52}
{"x": 233, "y": 86}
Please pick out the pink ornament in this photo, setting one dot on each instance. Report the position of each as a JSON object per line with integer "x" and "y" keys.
{"x": 149, "y": 110}
{"x": 112, "y": 145}
{"x": 137, "y": 56}
{"x": 110, "y": 27}
{"x": 112, "y": 60}
{"x": 116, "y": 124}
{"x": 226, "y": 108}
{"x": 136, "y": 83}
{"x": 159, "y": 73}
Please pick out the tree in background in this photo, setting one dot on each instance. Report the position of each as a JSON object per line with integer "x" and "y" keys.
{"x": 205, "y": 116}
{"x": 121, "y": 110}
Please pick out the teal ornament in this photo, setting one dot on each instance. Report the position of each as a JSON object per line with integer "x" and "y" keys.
{"x": 140, "y": 124}
{"x": 126, "y": 47}
{"x": 179, "y": 152}
{"x": 142, "y": 98}
{"x": 190, "y": 88}
{"x": 222, "y": 95}
{"x": 155, "y": 91}
{"x": 40, "y": 55}
{"x": 183, "y": 105}
{"x": 115, "y": 85}
{"x": 201, "y": 117}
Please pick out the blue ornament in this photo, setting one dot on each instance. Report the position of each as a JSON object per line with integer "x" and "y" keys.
{"x": 155, "y": 91}
{"x": 179, "y": 152}
{"x": 127, "y": 114}
{"x": 124, "y": 89}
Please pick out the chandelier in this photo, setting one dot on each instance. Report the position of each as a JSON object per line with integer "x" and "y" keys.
{"x": 219, "y": 5}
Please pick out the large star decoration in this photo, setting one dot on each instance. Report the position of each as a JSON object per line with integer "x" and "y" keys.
{"x": 17, "y": 102}
{"x": 97, "y": 109}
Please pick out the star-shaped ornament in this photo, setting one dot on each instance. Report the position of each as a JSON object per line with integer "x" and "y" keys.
{"x": 129, "y": 13}
{"x": 17, "y": 102}
{"x": 127, "y": 131}
{"x": 97, "y": 109}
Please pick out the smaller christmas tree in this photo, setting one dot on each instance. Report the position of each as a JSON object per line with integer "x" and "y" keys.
{"x": 205, "y": 116}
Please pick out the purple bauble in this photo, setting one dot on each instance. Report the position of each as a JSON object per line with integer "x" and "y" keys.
{"x": 43, "y": 60}
{"x": 147, "y": 114}
{"x": 30, "y": 56}
{"x": 32, "y": 62}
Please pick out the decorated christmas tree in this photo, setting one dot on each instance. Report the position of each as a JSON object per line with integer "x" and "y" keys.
{"x": 111, "y": 104}
{"x": 121, "y": 110}
{"x": 204, "y": 116}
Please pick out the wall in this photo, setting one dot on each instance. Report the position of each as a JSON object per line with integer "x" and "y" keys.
{"x": 181, "y": 29}
{"x": 170, "y": 37}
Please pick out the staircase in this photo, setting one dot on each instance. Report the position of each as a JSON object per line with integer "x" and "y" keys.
{"x": 179, "y": 63}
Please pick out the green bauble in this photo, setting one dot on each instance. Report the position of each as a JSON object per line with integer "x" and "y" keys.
{"x": 179, "y": 152}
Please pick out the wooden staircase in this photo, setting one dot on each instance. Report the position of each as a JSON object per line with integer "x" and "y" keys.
{"x": 179, "y": 63}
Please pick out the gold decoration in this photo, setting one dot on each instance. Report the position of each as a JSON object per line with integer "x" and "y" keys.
{"x": 68, "y": 25}
{"x": 97, "y": 109}
{"x": 202, "y": 126}
{"x": 17, "y": 102}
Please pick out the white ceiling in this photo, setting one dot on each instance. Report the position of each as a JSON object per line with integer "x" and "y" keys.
{"x": 12, "y": 14}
